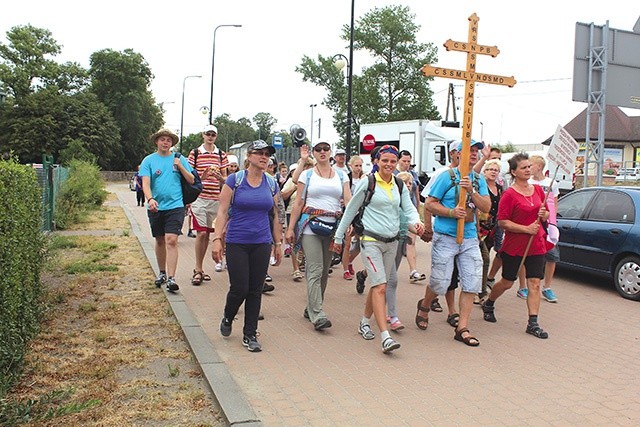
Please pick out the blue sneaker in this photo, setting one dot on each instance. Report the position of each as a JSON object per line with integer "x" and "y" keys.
{"x": 523, "y": 293}
{"x": 548, "y": 294}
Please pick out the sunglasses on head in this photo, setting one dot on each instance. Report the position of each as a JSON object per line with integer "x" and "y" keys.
{"x": 322, "y": 148}
{"x": 211, "y": 134}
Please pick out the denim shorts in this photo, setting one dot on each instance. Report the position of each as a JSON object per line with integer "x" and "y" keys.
{"x": 379, "y": 258}
{"x": 445, "y": 252}
{"x": 166, "y": 222}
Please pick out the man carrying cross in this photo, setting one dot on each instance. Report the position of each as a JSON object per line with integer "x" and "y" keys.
{"x": 443, "y": 202}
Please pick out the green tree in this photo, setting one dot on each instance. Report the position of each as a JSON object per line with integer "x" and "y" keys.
{"x": 121, "y": 80}
{"x": 392, "y": 88}
{"x": 264, "y": 122}
{"x": 25, "y": 63}
{"x": 48, "y": 105}
{"x": 231, "y": 132}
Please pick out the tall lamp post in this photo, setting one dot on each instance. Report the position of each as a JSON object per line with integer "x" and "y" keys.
{"x": 340, "y": 64}
{"x": 311, "y": 135}
{"x": 184, "y": 81}
{"x": 213, "y": 64}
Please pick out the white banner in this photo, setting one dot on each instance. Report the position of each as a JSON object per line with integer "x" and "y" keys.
{"x": 562, "y": 152}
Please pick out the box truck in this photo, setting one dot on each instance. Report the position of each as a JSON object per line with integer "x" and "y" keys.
{"x": 427, "y": 143}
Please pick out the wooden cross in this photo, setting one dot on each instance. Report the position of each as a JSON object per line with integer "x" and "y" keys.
{"x": 471, "y": 78}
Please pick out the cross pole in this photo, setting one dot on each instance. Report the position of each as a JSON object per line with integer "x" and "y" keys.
{"x": 470, "y": 77}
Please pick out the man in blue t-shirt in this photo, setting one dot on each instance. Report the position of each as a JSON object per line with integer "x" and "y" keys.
{"x": 443, "y": 203}
{"x": 160, "y": 172}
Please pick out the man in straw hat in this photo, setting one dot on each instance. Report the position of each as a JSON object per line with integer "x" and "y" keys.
{"x": 160, "y": 173}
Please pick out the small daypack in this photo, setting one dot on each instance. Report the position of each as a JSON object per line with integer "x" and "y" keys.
{"x": 190, "y": 192}
{"x": 358, "y": 227}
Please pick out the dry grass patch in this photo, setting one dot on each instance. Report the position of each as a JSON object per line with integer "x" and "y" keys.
{"x": 109, "y": 339}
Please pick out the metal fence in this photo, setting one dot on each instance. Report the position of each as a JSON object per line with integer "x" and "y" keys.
{"x": 50, "y": 178}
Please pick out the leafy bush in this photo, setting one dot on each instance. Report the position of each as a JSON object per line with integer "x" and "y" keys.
{"x": 82, "y": 192}
{"x": 21, "y": 250}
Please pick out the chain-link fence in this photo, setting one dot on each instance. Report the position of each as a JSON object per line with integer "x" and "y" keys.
{"x": 50, "y": 178}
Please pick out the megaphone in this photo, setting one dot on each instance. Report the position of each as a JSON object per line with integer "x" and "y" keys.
{"x": 298, "y": 135}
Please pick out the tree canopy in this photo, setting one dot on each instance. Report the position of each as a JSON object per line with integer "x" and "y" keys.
{"x": 392, "y": 88}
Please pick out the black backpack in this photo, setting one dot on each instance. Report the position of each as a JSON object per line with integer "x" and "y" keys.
{"x": 190, "y": 192}
{"x": 358, "y": 227}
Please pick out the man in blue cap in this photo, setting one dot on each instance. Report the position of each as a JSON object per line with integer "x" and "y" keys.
{"x": 443, "y": 203}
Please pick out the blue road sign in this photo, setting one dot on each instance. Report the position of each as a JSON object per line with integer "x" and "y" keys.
{"x": 277, "y": 141}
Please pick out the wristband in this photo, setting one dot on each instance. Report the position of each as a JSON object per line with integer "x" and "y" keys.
{"x": 150, "y": 199}
{"x": 216, "y": 238}
{"x": 450, "y": 213}
{"x": 277, "y": 243}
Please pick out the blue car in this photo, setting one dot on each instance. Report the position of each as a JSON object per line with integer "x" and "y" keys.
{"x": 600, "y": 234}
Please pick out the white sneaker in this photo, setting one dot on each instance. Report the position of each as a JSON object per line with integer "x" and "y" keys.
{"x": 272, "y": 260}
{"x": 219, "y": 267}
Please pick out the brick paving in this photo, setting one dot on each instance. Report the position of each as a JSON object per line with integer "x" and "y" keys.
{"x": 585, "y": 373}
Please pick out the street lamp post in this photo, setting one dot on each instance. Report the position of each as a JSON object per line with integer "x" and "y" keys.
{"x": 184, "y": 81}
{"x": 213, "y": 64}
{"x": 311, "y": 135}
{"x": 340, "y": 64}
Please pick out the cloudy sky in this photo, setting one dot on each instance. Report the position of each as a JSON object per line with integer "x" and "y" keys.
{"x": 254, "y": 64}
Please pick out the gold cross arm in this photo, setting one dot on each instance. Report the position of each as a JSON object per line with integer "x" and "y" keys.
{"x": 472, "y": 48}
{"x": 469, "y": 76}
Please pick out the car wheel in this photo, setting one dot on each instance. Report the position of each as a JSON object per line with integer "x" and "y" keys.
{"x": 627, "y": 278}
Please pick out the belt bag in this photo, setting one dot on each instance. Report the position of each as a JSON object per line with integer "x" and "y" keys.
{"x": 380, "y": 238}
{"x": 322, "y": 228}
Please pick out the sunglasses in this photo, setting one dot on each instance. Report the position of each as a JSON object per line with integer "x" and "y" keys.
{"x": 322, "y": 148}
{"x": 211, "y": 134}
{"x": 264, "y": 153}
{"x": 493, "y": 170}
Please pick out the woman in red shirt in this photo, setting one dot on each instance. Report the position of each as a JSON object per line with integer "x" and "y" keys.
{"x": 520, "y": 214}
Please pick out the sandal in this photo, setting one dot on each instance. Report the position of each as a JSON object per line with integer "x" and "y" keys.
{"x": 196, "y": 280}
{"x": 205, "y": 277}
{"x": 435, "y": 306}
{"x": 487, "y": 313}
{"x": 422, "y": 322}
{"x": 537, "y": 331}
{"x": 453, "y": 319}
{"x": 468, "y": 340}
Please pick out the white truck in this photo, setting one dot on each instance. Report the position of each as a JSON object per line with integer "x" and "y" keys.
{"x": 426, "y": 141}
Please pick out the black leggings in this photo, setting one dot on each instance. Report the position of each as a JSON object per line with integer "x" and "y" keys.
{"x": 247, "y": 265}
{"x": 140, "y": 197}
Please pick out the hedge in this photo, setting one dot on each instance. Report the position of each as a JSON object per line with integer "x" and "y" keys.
{"x": 21, "y": 253}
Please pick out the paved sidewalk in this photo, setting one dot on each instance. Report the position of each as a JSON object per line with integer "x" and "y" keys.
{"x": 585, "y": 373}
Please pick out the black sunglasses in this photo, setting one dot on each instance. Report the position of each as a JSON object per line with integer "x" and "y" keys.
{"x": 322, "y": 148}
{"x": 211, "y": 134}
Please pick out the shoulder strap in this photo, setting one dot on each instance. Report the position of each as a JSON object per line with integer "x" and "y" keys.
{"x": 272, "y": 184}
{"x": 306, "y": 186}
{"x": 371, "y": 187}
{"x": 239, "y": 177}
{"x": 195, "y": 156}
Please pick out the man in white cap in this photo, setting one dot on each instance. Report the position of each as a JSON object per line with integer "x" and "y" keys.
{"x": 340, "y": 157}
{"x": 160, "y": 172}
{"x": 211, "y": 164}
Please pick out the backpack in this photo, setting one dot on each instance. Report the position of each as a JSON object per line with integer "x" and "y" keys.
{"x": 476, "y": 185}
{"x": 358, "y": 227}
{"x": 190, "y": 192}
{"x": 240, "y": 177}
